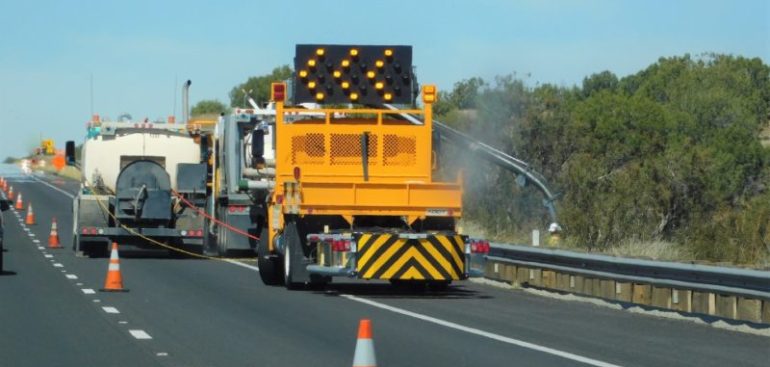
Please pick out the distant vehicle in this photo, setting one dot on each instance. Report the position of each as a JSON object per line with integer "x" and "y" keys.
{"x": 4, "y": 205}
{"x": 129, "y": 173}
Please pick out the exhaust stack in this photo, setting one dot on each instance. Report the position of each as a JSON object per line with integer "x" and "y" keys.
{"x": 186, "y": 102}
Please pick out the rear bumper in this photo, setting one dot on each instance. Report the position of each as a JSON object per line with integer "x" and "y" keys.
{"x": 123, "y": 236}
{"x": 394, "y": 256}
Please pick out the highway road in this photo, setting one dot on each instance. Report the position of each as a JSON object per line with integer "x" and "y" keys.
{"x": 188, "y": 312}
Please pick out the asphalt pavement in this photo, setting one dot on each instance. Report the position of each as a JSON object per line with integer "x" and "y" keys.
{"x": 189, "y": 312}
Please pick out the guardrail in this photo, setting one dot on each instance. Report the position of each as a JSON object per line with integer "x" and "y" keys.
{"x": 732, "y": 293}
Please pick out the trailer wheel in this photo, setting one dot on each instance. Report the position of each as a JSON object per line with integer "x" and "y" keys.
{"x": 291, "y": 256}
{"x": 269, "y": 269}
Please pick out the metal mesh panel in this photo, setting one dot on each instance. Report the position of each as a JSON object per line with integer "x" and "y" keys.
{"x": 308, "y": 149}
{"x": 346, "y": 149}
{"x": 399, "y": 150}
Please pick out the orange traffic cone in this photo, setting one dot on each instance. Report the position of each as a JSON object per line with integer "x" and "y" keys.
{"x": 364, "y": 355}
{"x": 53, "y": 238}
{"x": 30, "y": 220}
{"x": 114, "y": 281}
{"x": 19, "y": 203}
{"x": 10, "y": 193}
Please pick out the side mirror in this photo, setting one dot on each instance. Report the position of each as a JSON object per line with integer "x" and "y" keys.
{"x": 69, "y": 153}
{"x": 5, "y": 205}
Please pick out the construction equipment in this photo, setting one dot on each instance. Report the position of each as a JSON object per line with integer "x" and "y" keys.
{"x": 47, "y": 147}
{"x": 133, "y": 176}
{"x": 352, "y": 191}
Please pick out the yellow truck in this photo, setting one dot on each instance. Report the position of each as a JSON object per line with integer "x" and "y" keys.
{"x": 352, "y": 189}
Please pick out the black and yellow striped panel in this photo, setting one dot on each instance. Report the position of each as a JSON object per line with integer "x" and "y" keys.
{"x": 386, "y": 256}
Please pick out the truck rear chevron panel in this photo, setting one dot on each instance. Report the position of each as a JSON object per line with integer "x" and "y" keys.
{"x": 386, "y": 256}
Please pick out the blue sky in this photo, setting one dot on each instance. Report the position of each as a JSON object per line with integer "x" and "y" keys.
{"x": 135, "y": 50}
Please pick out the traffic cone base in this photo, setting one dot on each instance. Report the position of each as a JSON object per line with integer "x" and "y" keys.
{"x": 114, "y": 281}
{"x": 30, "y": 219}
{"x": 53, "y": 238}
{"x": 364, "y": 354}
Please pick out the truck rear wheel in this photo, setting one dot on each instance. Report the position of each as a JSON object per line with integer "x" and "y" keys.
{"x": 269, "y": 269}
{"x": 291, "y": 256}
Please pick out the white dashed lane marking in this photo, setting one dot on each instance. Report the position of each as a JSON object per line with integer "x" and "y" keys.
{"x": 88, "y": 291}
{"x": 139, "y": 334}
{"x": 58, "y": 265}
{"x": 72, "y": 276}
{"x": 48, "y": 256}
{"x": 110, "y": 309}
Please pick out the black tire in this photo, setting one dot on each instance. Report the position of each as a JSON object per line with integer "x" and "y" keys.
{"x": 269, "y": 269}
{"x": 291, "y": 256}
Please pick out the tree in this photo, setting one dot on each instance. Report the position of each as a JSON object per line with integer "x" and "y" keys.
{"x": 259, "y": 86}
{"x": 209, "y": 107}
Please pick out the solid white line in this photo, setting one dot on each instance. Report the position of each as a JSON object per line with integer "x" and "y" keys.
{"x": 54, "y": 187}
{"x": 72, "y": 276}
{"x": 140, "y": 334}
{"x": 470, "y": 330}
{"x": 247, "y": 266}
{"x": 88, "y": 291}
{"x": 110, "y": 309}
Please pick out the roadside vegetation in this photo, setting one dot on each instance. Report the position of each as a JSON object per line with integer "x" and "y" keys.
{"x": 670, "y": 157}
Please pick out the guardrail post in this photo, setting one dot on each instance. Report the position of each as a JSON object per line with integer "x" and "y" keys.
{"x": 704, "y": 303}
{"x": 642, "y": 294}
{"x": 766, "y": 311}
{"x": 727, "y": 306}
{"x": 661, "y": 297}
{"x": 536, "y": 237}
{"x": 549, "y": 279}
{"x": 681, "y": 300}
{"x": 623, "y": 291}
{"x": 509, "y": 273}
{"x": 749, "y": 309}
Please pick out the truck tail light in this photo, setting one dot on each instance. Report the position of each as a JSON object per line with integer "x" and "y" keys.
{"x": 278, "y": 92}
{"x": 341, "y": 245}
{"x": 480, "y": 246}
{"x": 89, "y": 230}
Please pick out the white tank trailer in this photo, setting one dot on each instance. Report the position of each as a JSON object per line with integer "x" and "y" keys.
{"x": 130, "y": 171}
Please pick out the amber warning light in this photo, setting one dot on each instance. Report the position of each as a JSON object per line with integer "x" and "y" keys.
{"x": 335, "y": 74}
